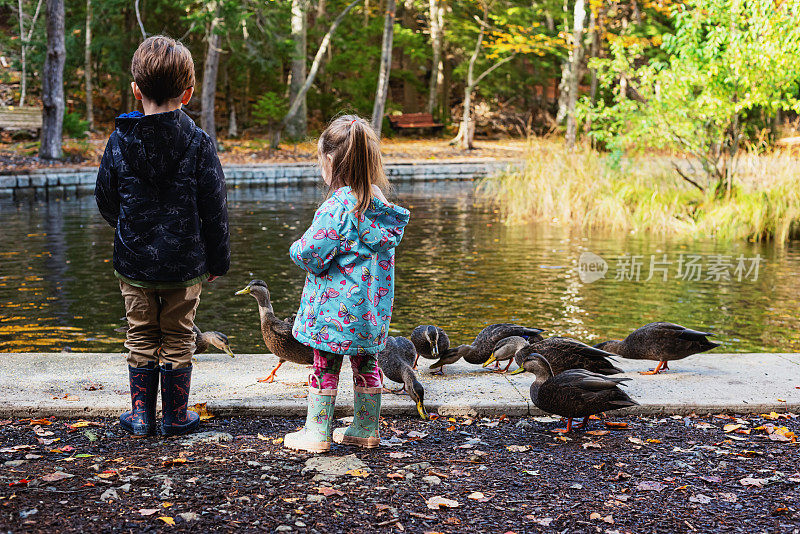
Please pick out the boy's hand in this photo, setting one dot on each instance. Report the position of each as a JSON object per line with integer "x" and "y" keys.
{"x": 212, "y": 278}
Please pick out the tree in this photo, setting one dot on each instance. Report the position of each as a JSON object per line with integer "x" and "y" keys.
{"x": 210, "y": 70}
{"x": 466, "y": 130}
{"x": 575, "y": 71}
{"x": 296, "y": 125}
{"x": 727, "y": 61}
{"x": 436, "y": 16}
{"x": 25, "y": 42}
{"x": 386, "y": 67}
{"x": 53, "y": 83}
{"x": 298, "y": 100}
{"x": 87, "y": 67}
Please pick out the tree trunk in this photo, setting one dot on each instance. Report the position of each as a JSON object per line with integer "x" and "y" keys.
{"x": 53, "y": 82}
{"x": 312, "y": 73}
{"x": 87, "y": 66}
{"x": 24, "y": 44}
{"x": 296, "y": 125}
{"x": 230, "y": 101}
{"x": 386, "y": 68}
{"x": 210, "y": 69}
{"x": 575, "y": 72}
{"x": 436, "y": 15}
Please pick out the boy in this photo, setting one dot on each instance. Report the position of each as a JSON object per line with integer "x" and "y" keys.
{"x": 160, "y": 185}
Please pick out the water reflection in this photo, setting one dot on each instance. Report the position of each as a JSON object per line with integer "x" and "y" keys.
{"x": 457, "y": 267}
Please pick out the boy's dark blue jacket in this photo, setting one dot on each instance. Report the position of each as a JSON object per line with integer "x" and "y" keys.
{"x": 160, "y": 185}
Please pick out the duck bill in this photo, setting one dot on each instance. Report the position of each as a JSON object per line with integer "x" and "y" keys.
{"x": 228, "y": 351}
{"x": 490, "y": 361}
{"x": 245, "y": 291}
{"x": 436, "y": 365}
{"x": 517, "y": 371}
{"x": 422, "y": 412}
{"x": 435, "y": 350}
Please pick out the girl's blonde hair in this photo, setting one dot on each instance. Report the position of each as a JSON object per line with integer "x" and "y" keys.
{"x": 355, "y": 153}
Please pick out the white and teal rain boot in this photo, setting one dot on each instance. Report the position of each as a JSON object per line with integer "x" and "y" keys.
{"x": 365, "y": 430}
{"x": 315, "y": 436}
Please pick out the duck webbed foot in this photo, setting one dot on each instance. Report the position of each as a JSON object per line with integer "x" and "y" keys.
{"x": 439, "y": 371}
{"x": 399, "y": 391}
{"x": 660, "y": 367}
{"x": 271, "y": 376}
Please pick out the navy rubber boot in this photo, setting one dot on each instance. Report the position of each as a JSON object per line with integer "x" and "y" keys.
{"x": 175, "y": 385}
{"x": 141, "y": 420}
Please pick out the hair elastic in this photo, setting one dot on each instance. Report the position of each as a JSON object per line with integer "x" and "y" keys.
{"x": 352, "y": 121}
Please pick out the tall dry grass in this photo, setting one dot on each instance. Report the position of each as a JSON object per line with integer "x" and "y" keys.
{"x": 584, "y": 189}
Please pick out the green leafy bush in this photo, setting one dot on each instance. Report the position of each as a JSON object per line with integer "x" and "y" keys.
{"x": 75, "y": 126}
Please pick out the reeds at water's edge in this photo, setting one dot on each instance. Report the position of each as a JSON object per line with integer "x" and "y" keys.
{"x": 583, "y": 189}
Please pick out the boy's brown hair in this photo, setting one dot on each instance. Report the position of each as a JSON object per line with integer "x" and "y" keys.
{"x": 355, "y": 151}
{"x": 162, "y": 68}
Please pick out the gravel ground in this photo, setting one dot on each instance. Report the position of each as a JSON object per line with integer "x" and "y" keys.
{"x": 670, "y": 474}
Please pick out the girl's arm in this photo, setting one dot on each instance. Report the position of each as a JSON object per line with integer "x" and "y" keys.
{"x": 319, "y": 245}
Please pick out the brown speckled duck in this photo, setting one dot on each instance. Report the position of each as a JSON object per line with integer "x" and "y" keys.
{"x": 481, "y": 349}
{"x": 562, "y": 352}
{"x": 661, "y": 342}
{"x": 277, "y": 334}
{"x": 395, "y": 361}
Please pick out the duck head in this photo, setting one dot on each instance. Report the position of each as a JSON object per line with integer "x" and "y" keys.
{"x": 220, "y": 340}
{"x": 259, "y": 290}
{"x": 535, "y": 363}
{"x": 417, "y": 394}
{"x": 432, "y": 336}
{"x": 505, "y": 349}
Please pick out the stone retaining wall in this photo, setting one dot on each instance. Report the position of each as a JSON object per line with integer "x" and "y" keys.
{"x": 45, "y": 183}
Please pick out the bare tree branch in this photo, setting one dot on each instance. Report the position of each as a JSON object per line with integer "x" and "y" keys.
{"x": 685, "y": 177}
{"x": 139, "y": 18}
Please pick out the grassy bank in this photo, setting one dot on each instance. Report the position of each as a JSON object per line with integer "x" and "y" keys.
{"x": 588, "y": 189}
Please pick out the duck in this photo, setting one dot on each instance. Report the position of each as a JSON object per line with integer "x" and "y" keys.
{"x": 395, "y": 361}
{"x": 277, "y": 334}
{"x": 429, "y": 342}
{"x": 202, "y": 340}
{"x": 481, "y": 349}
{"x": 562, "y": 352}
{"x": 662, "y": 342}
{"x": 575, "y": 392}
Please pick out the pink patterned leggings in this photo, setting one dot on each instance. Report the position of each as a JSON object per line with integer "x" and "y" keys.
{"x": 327, "y": 366}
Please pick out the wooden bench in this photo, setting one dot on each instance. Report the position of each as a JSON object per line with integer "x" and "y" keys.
{"x": 15, "y": 118}
{"x": 413, "y": 120}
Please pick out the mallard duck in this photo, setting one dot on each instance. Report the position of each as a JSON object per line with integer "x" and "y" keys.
{"x": 395, "y": 361}
{"x": 277, "y": 334}
{"x": 562, "y": 352}
{"x": 202, "y": 341}
{"x": 429, "y": 342}
{"x": 575, "y": 392}
{"x": 481, "y": 349}
{"x": 661, "y": 342}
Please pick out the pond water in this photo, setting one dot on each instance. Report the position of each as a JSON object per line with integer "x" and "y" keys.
{"x": 457, "y": 267}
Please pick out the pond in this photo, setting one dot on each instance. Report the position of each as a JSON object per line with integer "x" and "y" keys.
{"x": 458, "y": 267}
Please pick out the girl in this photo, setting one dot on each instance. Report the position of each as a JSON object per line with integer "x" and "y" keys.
{"x": 348, "y": 296}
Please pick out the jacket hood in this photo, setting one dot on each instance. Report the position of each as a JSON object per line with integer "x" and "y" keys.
{"x": 381, "y": 226}
{"x": 153, "y": 145}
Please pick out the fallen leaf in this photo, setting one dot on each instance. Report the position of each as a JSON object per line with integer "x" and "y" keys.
{"x": 358, "y": 473}
{"x": 173, "y": 461}
{"x": 636, "y": 441}
{"x": 416, "y": 435}
{"x": 615, "y": 424}
{"x": 731, "y": 427}
{"x": 436, "y": 502}
{"x": 262, "y": 437}
{"x": 399, "y": 455}
{"x": 148, "y": 511}
{"x": 597, "y": 432}
{"x": 168, "y": 520}
{"x": 518, "y": 448}
{"x": 700, "y": 498}
{"x": 653, "y": 441}
{"x": 650, "y": 485}
{"x": 328, "y": 491}
{"x": 478, "y": 496}
{"x": 35, "y": 422}
{"x": 543, "y": 521}
{"x": 55, "y": 477}
{"x": 591, "y": 445}
{"x": 607, "y": 519}
{"x": 751, "y": 481}
{"x": 396, "y": 476}
{"x": 21, "y": 482}
{"x": 202, "y": 410}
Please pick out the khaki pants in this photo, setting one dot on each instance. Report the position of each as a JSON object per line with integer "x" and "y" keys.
{"x": 160, "y": 324}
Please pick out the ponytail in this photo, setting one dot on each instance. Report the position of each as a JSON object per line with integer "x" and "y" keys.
{"x": 355, "y": 151}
